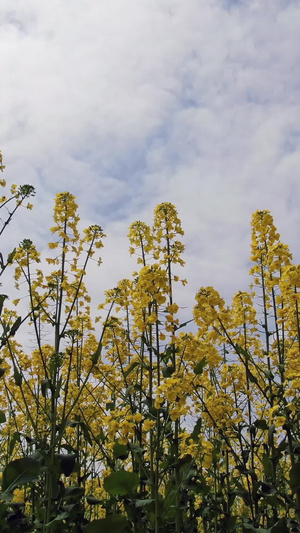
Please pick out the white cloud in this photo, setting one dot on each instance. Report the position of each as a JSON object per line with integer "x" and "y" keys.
{"x": 129, "y": 104}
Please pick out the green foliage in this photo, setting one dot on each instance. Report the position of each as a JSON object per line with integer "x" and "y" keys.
{"x": 121, "y": 483}
{"x": 20, "y": 472}
{"x": 115, "y": 523}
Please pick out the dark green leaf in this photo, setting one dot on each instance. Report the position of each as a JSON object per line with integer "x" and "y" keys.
{"x": 97, "y": 354}
{"x": 143, "y": 503}
{"x": 183, "y": 324}
{"x": 20, "y": 472}
{"x": 113, "y": 523}
{"x": 261, "y": 424}
{"x": 73, "y": 492}
{"x": 242, "y": 351}
{"x": 196, "y": 431}
{"x": 280, "y": 526}
{"x": 228, "y": 523}
{"x": 17, "y": 377}
{"x": 3, "y": 297}
{"x": 272, "y": 430}
{"x": 200, "y": 366}
{"x": 91, "y": 500}
{"x": 121, "y": 483}
{"x": 131, "y": 368}
{"x": 251, "y": 377}
{"x": 58, "y": 518}
{"x": 267, "y": 488}
{"x": 267, "y": 464}
{"x": 15, "y": 438}
{"x": 86, "y": 432}
{"x": 200, "y": 488}
{"x": 241, "y": 492}
{"x": 45, "y": 385}
{"x": 2, "y": 372}
{"x": 249, "y": 527}
{"x": 15, "y": 326}
{"x": 135, "y": 449}
{"x": 67, "y": 463}
{"x": 295, "y": 477}
{"x": 120, "y": 451}
{"x": 167, "y": 370}
{"x": 2, "y": 417}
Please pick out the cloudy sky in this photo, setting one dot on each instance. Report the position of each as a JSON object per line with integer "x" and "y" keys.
{"x": 128, "y": 104}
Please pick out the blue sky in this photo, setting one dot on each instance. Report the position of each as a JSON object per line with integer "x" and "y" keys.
{"x": 128, "y": 104}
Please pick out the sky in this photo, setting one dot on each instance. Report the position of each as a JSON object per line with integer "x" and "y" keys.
{"x": 130, "y": 104}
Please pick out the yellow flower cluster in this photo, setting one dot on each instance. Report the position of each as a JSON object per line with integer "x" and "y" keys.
{"x": 166, "y": 227}
{"x": 211, "y": 315}
{"x": 141, "y": 238}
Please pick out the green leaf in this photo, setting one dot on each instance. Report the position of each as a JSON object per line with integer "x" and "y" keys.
{"x": 17, "y": 377}
{"x": 11, "y": 256}
{"x": 280, "y": 526}
{"x": 97, "y": 354}
{"x": 200, "y": 366}
{"x": 136, "y": 449}
{"x": 121, "y": 483}
{"x": 86, "y": 432}
{"x": 241, "y": 351}
{"x": 143, "y": 503}
{"x": 167, "y": 370}
{"x": 15, "y": 326}
{"x": 267, "y": 464}
{"x": 2, "y": 372}
{"x": 45, "y": 385}
{"x": 251, "y": 377}
{"x": 241, "y": 493}
{"x": 256, "y": 529}
{"x": 73, "y": 492}
{"x": 228, "y": 523}
{"x": 295, "y": 477}
{"x": 113, "y": 523}
{"x": 3, "y": 297}
{"x": 261, "y": 424}
{"x": 15, "y": 438}
{"x": 200, "y": 488}
{"x": 183, "y": 324}
{"x": 196, "y": 431}
{"x": 2, "y": 417}
{"x": 67, "y": 463}
{"x": 91, "y": 500}
{"x": 131, "y": 368}
{"x": 58, "y": 518}
{"x": 267, "y": 489}
{"x": 20, "y": 472}
{"x": 120, "y": 451}
{"x": 272, "y": 430}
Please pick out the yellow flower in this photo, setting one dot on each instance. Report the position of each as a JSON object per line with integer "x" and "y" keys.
{"x": 280, "y": 421}
{"x": 52, "y": 245}
{"x": 138, "y": 417}
{"x": 148, "y": 424}
{"x": 18, "y": 495}
{"x": 173, "y": 309}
